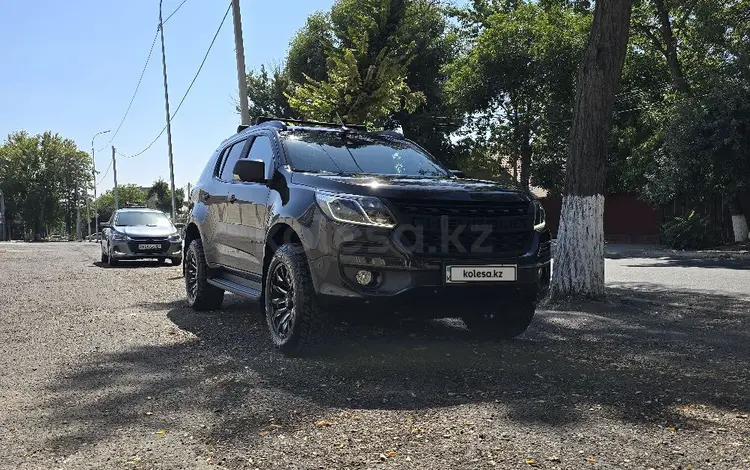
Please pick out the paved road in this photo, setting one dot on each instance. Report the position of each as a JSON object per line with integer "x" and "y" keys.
{"x": 702, "y": 275}
{"x": 105, "y": 368}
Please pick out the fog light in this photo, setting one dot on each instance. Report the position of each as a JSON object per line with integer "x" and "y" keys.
{"x": 364, "y": 277}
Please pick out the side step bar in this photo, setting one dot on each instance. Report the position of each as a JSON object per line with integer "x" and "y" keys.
{"x": 235, "y": 288}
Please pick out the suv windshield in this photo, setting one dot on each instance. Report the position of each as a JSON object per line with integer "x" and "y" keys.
{"x": 153, "y": 219}
{"x": 339, "y": 152}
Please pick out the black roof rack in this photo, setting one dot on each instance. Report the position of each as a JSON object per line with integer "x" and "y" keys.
{"x": 264, "y": 119}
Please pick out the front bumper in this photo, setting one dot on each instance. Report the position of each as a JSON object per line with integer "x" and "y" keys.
{"x": 407, "y": 283}
{"x": 132, "y": 250}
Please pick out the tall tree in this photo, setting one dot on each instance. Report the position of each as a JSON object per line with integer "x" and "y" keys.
{"x": 707, "y": 150}
{"x": 44, "y": 177}
{"x": 366, "y": 67}
{"x": 127, "y": 194}
{"x": 517, "y": 81}
{"x": 160, "y": 197}
{"x": 579, "y": 254}
{"x": 266, "y": 93}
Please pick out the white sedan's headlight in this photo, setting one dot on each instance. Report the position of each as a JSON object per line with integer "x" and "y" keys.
{"x": 119, "y": 236}
{"x": 353, "y": 209}
{"x": 540, "y": 216}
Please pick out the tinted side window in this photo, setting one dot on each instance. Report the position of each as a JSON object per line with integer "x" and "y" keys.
{"x": 232, "y": 156}
{"x": 262, "y": 150}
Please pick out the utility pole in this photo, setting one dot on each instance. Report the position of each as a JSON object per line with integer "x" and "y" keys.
{"x": 166, "y": 106}
{"x": 78, "y": 219}
{"x": 88, "y": 213}
{"x": 239, "y": 49}
{"x": 114, "y": 171}
{"x": 93, "y": 174}
{"x": 2, "y": 216}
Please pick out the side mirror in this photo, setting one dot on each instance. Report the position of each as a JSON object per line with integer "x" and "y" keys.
{"x": 250, "y": 171}
{"x": 105, "y": 225}
{"x": 179, "y": 225}
{"x": 458, "y": 173}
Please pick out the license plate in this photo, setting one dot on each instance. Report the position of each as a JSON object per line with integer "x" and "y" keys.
{"x": 149, "y": 246}
{"x": 485, "y": 273}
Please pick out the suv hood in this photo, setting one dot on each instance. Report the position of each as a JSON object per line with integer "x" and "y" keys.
{"x": 144, "y": 231}
{"x": 411, "y": 186}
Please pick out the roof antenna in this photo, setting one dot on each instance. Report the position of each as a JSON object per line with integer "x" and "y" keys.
{"x": 343, "y": 126}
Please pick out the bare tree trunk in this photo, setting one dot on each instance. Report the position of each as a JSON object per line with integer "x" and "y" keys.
{"x": 739, "y": 221}
{"x": 525, "y": 154}
{"x": 579, "y": 255}
{"x": 670, "y": 48}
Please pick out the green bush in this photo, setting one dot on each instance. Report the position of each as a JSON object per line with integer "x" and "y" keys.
{"x": 688, "y": 233}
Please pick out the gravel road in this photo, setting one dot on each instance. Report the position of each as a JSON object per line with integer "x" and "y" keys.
{"x": 105, "y": 368}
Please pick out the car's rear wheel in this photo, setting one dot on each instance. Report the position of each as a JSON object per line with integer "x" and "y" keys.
{"x": 200, "y": 294}
{"x": 504, "y": 323}
{"x": 293, "y": 316}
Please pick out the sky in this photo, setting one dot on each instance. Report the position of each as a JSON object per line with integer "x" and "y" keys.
{"x": 72, "y": 66}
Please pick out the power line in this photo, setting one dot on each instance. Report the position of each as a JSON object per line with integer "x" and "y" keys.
{"x": 106, "y": 172}
{"x": 175, "y": 11}
{"x": 218, "y": 30}
{"x": 140, "y": 79}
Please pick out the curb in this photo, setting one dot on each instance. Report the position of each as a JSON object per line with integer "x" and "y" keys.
{"x": 673, "y": 254}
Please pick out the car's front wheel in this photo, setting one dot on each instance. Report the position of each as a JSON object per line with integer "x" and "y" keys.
{"x": 293, "y": 316}
{"x": 111, "y": 260}
{"x": 200, "y": 294}
{"x": 504, "y": 323}
{"x": 105, "y": 258}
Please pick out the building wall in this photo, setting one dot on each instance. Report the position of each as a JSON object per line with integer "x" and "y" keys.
{"x": 627, "y": 219}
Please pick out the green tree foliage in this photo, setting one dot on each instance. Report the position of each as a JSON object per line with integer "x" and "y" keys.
{"x": 706, "y": 146}
{"x": 516, "y": 82}
{"x": 378, "y": 62}
{"x": 44, "y": 178}
{"x": 366, "y": 67}
{"x": 160, "y": 197}
{"x": 309, "y": 49}
{"x": 266, "y": 91}
{"x": 127, "y": 194}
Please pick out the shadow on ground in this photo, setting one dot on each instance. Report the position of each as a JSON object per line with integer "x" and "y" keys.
{"x": 696, "y": 263}
{"x": 134, "y": 264}
{"x": 640, "y": 357}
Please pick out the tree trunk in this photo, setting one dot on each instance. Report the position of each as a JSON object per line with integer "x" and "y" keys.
{"x": 670, "y": 48}
{"x": 739, "y": 221}
{"x": 579, "y": 255}
{"x": 525, "y": 154}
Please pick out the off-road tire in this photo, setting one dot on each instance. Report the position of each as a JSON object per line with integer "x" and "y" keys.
{"x": 207, "y": 296}
{"x": 506, "y": 322}
{"x": 308, "y": 320}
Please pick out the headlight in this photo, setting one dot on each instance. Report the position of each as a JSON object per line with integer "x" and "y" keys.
{"x": 353, "y": 209}
{"x": 540, "y": 217}
{"x": 175, "y": 237}
{"x": 119, "y": 236}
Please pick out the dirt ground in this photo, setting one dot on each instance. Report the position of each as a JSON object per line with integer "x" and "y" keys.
{"x": 106, "y": 368}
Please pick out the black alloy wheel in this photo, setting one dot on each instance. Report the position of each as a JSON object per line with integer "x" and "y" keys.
{"x": 281, "y": 300}
{"x": 201, "y": 295}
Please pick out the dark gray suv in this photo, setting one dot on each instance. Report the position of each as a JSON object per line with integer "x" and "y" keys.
{"x": 140, "y": 233}
{"x": 309, "y": 218}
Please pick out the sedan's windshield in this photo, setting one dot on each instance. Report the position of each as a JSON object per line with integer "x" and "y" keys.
{"x": 355, "y": 153}
{"x": 153, "y": 219}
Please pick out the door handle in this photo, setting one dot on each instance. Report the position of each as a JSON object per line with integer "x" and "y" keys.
{"x": 232, "y": 198}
